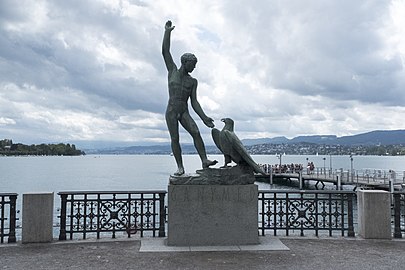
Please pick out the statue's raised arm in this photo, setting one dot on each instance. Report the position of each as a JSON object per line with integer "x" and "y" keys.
{"x": 170, "y": 65}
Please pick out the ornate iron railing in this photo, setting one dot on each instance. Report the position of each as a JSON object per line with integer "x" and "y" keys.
{"x": 111, "y": 212}
{"x": 399, "y": 214}
{"x": 300, "y": 211}
{"x": 8, "y": 217}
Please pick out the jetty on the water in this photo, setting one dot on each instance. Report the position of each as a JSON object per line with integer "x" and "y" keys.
{"x": 365, "y": 179}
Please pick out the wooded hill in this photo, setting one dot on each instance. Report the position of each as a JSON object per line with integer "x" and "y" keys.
{"x": 8, "y": 148}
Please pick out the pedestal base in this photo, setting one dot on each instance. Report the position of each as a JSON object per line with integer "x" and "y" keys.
{"x": 212, "y": 215}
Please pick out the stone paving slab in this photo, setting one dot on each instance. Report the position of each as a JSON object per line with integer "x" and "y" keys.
{"x": 159, "y": 245}
{"x": 306, "y": 253}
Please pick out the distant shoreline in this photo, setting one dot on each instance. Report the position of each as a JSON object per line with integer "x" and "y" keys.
{"x": 265, "y": 149}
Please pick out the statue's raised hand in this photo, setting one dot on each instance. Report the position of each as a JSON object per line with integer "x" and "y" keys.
{"x": 169, "y": 26}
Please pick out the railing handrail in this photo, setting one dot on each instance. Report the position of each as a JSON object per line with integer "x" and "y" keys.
{"x": 110, "y": 192}
{"x": 308, "y": 191}
{"x": 8, "y": 194}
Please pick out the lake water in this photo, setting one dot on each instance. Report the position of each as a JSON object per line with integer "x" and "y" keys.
{"x": 139, "y": 172}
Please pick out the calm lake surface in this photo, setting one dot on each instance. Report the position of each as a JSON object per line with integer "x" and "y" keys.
{"x": 137, "y": 172}
{"x": 140, "y": 172}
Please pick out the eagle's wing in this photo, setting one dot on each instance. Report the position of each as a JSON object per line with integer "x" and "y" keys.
{"x": 216, "y": 137}
{"x": 241, "y": 150}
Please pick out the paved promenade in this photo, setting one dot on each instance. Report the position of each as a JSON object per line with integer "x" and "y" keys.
{"x": 284, "y": 253}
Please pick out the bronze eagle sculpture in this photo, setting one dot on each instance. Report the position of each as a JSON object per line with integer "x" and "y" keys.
{"x": 232, "y": 148}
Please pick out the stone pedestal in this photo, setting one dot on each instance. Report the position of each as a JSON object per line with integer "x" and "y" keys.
{"x": 374, "y": 214}
{"x": 37, "y": 218}
{"x": 212, "y": 215}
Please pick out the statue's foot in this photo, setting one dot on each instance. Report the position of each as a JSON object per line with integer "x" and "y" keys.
{"x": 180, "y": 171}
{"x": 207, "y": 163}
{"x": 225, "y": 166}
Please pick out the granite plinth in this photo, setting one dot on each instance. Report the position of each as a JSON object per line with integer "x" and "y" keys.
{"x": 212, "y": 215}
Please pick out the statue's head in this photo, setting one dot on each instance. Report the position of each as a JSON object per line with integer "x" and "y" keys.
{"x": 188, "y": 57}
{"x": 188, "y": 60}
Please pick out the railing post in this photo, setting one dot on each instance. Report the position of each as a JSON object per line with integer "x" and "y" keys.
{"x": 300, "y": 179}
{"x": 13, "y": 218}
{"x": 271, "y": 176}
{"x": 397, "y": 215}
{"x": 162, "y": 215}
{"x": 62, "y": 231}
{"x": 1, "y": 218}
{"x": 350, "y": 232}
{"x": 374, "y": 214}
{"x": 339, "y": 181}
{"x": 261, "y": 198}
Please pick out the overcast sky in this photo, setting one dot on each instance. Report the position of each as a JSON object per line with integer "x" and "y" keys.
{"x": 93, "y": 70}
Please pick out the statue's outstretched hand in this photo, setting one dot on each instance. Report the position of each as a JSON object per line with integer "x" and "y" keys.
{"x": 169, "y": 26}
{"x": 209, "y": 122}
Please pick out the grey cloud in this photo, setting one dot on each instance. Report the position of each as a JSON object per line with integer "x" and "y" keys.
{"x": 57, "y": 67}
{"x": 274, "y": 61}
{"x": 317, "y": 47}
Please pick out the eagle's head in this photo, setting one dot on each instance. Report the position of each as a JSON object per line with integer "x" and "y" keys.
{"x": 229, "y": 124}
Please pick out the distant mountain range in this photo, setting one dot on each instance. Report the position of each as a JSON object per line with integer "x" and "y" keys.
{"x": 378, "y": 137}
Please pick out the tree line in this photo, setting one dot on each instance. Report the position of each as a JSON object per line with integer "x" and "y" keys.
{"x": 8, "y": 148}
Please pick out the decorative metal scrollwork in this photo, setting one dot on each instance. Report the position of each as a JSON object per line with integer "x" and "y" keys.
{"x": 296, "y": 211}
{"x": 111, "y": 212}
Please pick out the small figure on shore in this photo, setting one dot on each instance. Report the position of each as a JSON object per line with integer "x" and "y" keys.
{"x": 311, "y": 168}
{"x": 182, "y": 87}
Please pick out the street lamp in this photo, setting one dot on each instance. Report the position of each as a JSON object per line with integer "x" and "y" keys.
{"x": 307, "y": 166}
{"x": 324, "y": 166}
{"x": 330, "y": 165}
{"x": 351, "y": 166}
{"x": 279, "y": 157}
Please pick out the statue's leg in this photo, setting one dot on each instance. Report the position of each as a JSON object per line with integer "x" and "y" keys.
{"x": 189, "y": 124}
{"x": 173, "y": 127}
{"x": 227, "y": 160}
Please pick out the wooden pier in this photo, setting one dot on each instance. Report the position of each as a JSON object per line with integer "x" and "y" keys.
{"x": 358, "y": 179}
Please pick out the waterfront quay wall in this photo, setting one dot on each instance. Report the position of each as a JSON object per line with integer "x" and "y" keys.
{"x": 364, "y": 213}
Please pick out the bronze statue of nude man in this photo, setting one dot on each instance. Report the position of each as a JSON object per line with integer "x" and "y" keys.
{"x": 182, "y": 87}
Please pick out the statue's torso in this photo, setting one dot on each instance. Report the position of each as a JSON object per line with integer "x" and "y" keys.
{"x": 180, "y": 88}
